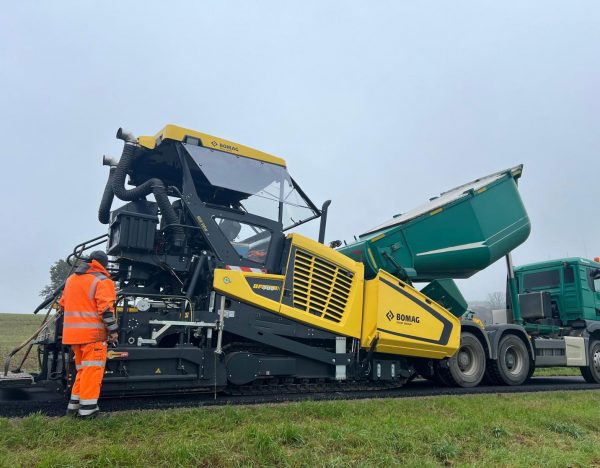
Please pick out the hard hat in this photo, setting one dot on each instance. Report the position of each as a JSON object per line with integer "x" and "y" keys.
{"x": 99, "y": 256}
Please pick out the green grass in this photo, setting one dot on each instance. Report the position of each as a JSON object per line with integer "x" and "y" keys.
{"x": 551, "y": 429}
{"x": 14, "y": 329}
{"x": 556, "y": 371}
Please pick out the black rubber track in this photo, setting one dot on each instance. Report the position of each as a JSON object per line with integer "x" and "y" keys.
{"x": 18, "y": 403}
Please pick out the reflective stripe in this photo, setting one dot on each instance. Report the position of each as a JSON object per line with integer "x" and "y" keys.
{"x": 93, "y": 401}
{"x": 93, "y": 288}
{"x": 74, "y": 397}
{"x": 78, "y": 366}
{"x": 98, "y": 277}
{"x": 87, "y": 412}
{"x": 92, "y": 364}
{"x": 83, "y": 325}
{"x": 110, "y": 321}
{"x": 78, "y": 314}
{"x": 73, "y": 406}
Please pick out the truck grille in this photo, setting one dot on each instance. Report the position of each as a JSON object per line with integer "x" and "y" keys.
{"x": 321, "y": 288}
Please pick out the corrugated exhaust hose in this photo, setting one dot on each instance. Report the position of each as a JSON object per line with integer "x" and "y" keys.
{"x": 116, "y": 181}
{"x": 107, "y": 199}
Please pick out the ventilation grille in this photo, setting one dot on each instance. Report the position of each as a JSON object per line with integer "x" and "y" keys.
{"x": 321, "y": 288}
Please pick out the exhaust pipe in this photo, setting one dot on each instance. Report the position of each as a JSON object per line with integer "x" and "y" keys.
{"x": 126, "y": 136}
{"x": 324, "y": 210}
{"x": 111, "y": 161}
{"x": 154, "y": 186}
{"x": 114, "y": 162}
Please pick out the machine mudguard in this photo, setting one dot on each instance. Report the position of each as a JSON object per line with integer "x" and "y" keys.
{"x": 472, "y": 327}
{"x": 496, "y": 332}
{"x": 592, "y": 328}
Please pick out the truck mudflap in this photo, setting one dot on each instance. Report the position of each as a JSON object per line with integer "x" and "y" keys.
{"x": 496, "y": 332}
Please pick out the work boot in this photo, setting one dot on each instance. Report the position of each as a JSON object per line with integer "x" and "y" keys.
{"x": 94, "y": 415}
{"x": 88, "y": 411}
{"x": 72, "y": 408}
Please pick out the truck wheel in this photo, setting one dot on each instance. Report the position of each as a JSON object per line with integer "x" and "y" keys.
{"x": 467, "y": 367}
{"x": 512, "y": 366}
{"x": 591, "y": 373}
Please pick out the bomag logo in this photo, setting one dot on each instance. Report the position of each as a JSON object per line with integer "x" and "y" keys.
{"x": 223, "y": 146}
{"x": 404, "y": 318}
{"x": 266, "y": 287}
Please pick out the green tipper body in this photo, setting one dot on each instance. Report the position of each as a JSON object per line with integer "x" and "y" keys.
{"x": 455, "y": 235}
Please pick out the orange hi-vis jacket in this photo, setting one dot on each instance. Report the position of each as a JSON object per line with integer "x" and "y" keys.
{"x": 88, "y": 302}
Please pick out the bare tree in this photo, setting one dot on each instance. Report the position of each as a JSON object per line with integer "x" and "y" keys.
{"x": 497, "y": 300}
{"x": 58, "y": 273}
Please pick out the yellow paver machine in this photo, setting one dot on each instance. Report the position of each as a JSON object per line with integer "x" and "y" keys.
{"x": 216, "y": 291}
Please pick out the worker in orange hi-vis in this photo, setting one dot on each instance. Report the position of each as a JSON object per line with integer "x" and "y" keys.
{"x": 88, "y": 305}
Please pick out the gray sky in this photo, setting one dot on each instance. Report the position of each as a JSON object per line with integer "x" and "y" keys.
{"x": 376, "y": 105}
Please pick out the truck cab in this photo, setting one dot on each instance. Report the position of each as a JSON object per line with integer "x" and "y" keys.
{"x": 557, "y": 302}
{"x": 559, "y": 293}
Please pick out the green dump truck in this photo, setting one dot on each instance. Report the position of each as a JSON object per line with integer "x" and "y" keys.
{"x": 554, "y": 310}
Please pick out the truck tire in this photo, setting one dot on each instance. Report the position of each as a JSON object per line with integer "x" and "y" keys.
{"x": 531, "y": 371}
{"x": 591, "y": 372}
{"x": 467, "y": 367}
{"x": 513, "y": 363}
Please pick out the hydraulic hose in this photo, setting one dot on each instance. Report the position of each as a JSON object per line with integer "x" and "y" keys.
{"x": 154, "y": 186}
{"x": 194, "y": 281}
{"x": 107, "y": 199}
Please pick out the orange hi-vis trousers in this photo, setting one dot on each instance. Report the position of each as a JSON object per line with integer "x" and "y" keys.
{"x": 90, "y": 359}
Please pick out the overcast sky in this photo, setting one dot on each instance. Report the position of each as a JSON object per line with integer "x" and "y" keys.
{"x": 377, "y": 105}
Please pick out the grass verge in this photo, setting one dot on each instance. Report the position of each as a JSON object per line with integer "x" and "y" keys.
{"x": 557, "y": 371}
{"x": 552, "y": 429}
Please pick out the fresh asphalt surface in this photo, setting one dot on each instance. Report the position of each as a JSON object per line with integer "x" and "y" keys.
{"x": 20, "y": 402}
